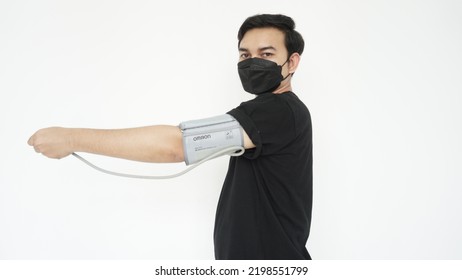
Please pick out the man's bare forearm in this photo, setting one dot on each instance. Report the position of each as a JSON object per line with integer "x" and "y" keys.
{"x": 160, "y": 143}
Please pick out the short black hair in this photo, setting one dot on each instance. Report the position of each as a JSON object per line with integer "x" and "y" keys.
{"x": 293, "y": 40}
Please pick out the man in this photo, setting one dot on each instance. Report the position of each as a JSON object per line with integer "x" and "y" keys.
{"x": 264, "y": 211}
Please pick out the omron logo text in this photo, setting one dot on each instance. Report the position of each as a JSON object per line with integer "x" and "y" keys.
{"x": 202, "y": 137}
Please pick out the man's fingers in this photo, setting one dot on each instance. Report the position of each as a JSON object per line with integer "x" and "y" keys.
{"x": 36, "y": 149}
{"x": 31, "y": 140}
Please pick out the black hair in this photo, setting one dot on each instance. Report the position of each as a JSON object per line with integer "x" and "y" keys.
{"x": 293, "y": 40}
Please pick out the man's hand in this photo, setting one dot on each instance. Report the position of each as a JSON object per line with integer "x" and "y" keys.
{"x": 53, "y": 142}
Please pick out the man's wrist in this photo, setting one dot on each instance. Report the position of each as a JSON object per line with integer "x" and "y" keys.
{"x": 73, "y": 139}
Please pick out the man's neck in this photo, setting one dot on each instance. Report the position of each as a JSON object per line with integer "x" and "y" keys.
{"x": 283, "y": 88}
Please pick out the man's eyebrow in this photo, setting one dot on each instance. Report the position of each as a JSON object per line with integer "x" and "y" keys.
{"x": 260, "y": 49}
{"x": 267, "y": 48}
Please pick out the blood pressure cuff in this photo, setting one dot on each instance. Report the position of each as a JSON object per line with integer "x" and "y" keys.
{"x": 205, "y": 137}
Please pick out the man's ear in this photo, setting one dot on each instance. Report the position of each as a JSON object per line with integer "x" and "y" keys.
{"x": 294, "y": 59}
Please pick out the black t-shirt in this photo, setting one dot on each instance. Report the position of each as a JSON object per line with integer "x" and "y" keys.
{"x": 264, "y": 211}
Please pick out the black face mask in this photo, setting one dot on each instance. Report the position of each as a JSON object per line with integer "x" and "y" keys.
{"x": 260, "y": 75}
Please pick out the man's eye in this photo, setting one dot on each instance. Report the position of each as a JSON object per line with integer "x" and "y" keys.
{"x": 266, "y": 54}
{"x": 244, "y": 56}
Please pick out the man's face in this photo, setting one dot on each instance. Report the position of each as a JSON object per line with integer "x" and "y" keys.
{"x": 266, "y": 43}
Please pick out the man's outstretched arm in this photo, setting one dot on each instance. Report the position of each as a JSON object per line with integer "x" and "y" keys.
{"x": 159, "y": 143}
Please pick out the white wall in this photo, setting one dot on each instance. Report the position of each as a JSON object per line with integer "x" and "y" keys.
{"x": 382, "y": 80}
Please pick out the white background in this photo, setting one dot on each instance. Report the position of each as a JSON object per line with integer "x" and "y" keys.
{"x": 382, "y": 79}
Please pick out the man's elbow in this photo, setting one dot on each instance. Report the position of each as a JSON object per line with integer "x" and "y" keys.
{"x": 176, "y": 146}
{"x": 173, "y": 144}
{"x": 169, "y": 153}
{"x": 177, "y": 153}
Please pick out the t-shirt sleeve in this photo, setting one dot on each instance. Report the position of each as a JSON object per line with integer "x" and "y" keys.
{"x": 270, "y": 126}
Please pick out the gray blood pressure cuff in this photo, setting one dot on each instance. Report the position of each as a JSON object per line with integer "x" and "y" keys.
{"x": 205, "y": 137}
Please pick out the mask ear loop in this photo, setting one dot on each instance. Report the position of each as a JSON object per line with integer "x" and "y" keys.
{"x": 289, "y": 72}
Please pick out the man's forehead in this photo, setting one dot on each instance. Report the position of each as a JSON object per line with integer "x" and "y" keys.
{"x": 259, "y": 38}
